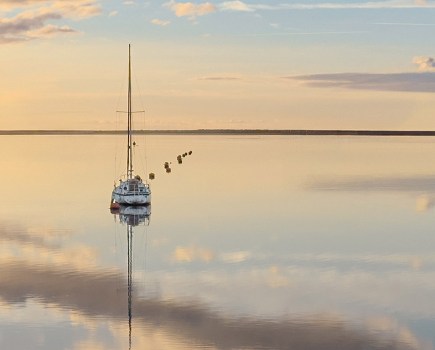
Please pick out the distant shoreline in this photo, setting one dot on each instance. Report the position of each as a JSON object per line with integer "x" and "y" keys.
{"x": 236, "y": 132}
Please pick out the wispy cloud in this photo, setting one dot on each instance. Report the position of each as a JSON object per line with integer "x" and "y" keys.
{"x": 220, "y": 78}
{"x": 236, "y": 6}
{"x": 32, "y": 21}
{"x": 160, "y": 22}
{"x": 242, "y": 6}
{"x": 409, "y": 82}
{"x": 407, "y": 24}
{"x": 189, "y": 9}
{"x": 50, "y": 30}
{"x": 309, "y": 33}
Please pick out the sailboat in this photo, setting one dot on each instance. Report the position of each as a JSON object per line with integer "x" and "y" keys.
{"x": 131, "y": 191}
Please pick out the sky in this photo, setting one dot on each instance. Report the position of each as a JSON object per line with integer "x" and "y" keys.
{"x": 300, "y": 64}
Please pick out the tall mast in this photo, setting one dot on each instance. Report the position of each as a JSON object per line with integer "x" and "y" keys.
{"x": 130, "y": 149}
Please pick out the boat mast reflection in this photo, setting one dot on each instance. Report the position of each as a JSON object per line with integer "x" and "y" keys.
{"x": 131, "y": 216}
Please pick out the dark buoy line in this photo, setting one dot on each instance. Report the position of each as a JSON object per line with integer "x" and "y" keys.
{"x": 167, "y": 165}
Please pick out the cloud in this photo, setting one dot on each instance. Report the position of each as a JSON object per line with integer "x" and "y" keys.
{"x": 78, "y": 10}
{"x": 189, "y": 9}
{"x": 50, "y": 30}
{"x": 424, "y": 63}
{"x": 388, "y": 4}
{"x": 235, "y": 6}
{"x": 220, "y": 78}
{"x": 31, "y": 19}
{"x": 407, "y": 24}
{"x": 160, "y": 22}
{"x": 405, "y": 82}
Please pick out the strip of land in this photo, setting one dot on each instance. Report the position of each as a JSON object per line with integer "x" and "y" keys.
{"x": 239, "y": 132}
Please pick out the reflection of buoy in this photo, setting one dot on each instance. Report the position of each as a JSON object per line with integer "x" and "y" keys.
{"x": 151, "y": 176}
{"x": 180, "y": 161}
{"x": 168, "y": 170}
{"x": 190, "y": 152}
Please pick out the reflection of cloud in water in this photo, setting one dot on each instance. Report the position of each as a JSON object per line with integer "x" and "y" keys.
{"x": 34, "y": 236}
{"x": 235, "y": 257}
{"x": 420, "y": 184}
{"x": 79, "y": 257}
{"x": 282, "y": 286}
{"x": 425, "y": 202}
{"x": 98, "y": 294}
{"x": 43, "y": 246}
{"x": 191, "y": 254}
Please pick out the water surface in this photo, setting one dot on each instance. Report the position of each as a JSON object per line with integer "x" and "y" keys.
{"x": 272, "y": 242}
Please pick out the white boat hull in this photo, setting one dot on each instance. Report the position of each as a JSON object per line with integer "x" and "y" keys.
{"x": 132, "y": 192}
{"x": 131, "y": 199}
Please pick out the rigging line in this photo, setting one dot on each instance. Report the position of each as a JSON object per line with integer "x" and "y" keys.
{"x": 145, "y": 147}
{"x": 117, "y": 147}
{"x": 118, "y": 143}
{"x": 143, "y": 152}
{"x": 139, "y": 93}
{"x": 143, "y": 123}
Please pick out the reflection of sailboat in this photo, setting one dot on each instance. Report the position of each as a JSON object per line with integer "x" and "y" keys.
{"x": 131, "y": 191}
{"x": 131, "y": 216}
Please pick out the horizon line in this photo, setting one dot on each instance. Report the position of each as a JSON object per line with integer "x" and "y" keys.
{"x": 241, "y": 132}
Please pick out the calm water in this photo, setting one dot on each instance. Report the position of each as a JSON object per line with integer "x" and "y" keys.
{"x": 252, "y": 243}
